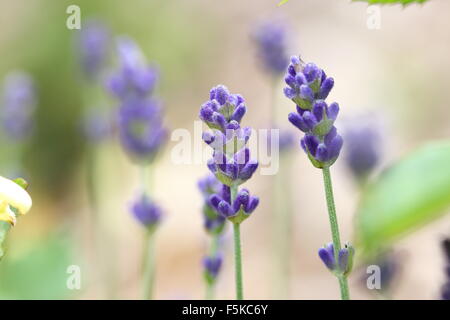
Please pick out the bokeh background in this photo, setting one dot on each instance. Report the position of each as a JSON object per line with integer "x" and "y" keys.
{"x": 399, "y": 73}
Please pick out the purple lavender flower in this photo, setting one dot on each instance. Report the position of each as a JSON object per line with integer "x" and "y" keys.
{"x": 140, "y": 129}
{"x": 134, "y": 80}
{"x": 362, "y": 149}
{"x": 271, "y": 39}
{"x": 93, "y": 44}
{"x": 18, "y": 105}
{"x": 212, "y": 266}
{"x": 243, "y": 205}
{"x": 308, "y": 86}
{"x": 231, "y": 161}
{"x": 146, "y": 212}
{"x": 213, "y": 221}
{"x": 345, "y": 258}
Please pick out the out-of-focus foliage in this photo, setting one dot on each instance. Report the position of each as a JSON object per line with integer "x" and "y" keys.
{"x": 39, "y": 271}
{"x": 404, "y": 198}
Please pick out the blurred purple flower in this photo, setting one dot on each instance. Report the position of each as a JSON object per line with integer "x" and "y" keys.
{"x": 146, "y": 212}
{"x": 362, "y": 148}
{"x": 18, "y": 105}
{"x": 134, "y": 80}
{"x": 212, "y": 266}
{"x": 93, "y": 45}
{"x": 271, "y": 38}
{"x": 308, "y": 87}
{"x": 213, "y": 221}
{"x": 141, "y": 130}
{"x": 96, "y": 125}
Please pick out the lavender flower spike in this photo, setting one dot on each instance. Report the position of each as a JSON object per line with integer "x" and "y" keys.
{"x": 18, "y": 104}
{"x": 308, "y": 86}
{"x": 271, "y": 38}
{"x": 230, "y": 163}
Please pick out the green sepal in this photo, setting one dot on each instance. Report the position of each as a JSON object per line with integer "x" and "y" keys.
{"x": 239, "y": 217}
{"x": 303, "y": 103}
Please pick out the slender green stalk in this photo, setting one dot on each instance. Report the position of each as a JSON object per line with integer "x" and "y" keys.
{"x": 237, "y": 253}
{"x": 282, "y": 235}
{"x": 148, "y": 275}
{"x": 148, "y": 267}
{"x": 334, "y": 229}
{"x": 211, "y": 285}
{"x": 238, "y": 261}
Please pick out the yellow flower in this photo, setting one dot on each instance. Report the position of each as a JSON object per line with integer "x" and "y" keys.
{"x": 13, "y": 199}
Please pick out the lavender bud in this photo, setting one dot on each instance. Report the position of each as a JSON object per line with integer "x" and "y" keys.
{"x": 146, "y": 212}
{"x": 326, "y": 254}
{"x": 212, "y": 266}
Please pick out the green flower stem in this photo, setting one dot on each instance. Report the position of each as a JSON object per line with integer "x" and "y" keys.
{"x": 282, "y": 234}
{"x": 213, "y": 251}
{"x": 237, "y": 252}
{"x": 148, "y": 276}
{"x": 148, "y": 254}
{"x": 334, "y": 229}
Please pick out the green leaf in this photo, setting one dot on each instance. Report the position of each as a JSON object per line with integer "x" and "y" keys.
{"x": 39, "y": 271}
{"x": 404, "y": 198}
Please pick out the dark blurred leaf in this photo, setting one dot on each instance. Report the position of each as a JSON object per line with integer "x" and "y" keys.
{"x": 39, "y": 272}
{"x": 404, "y": 198}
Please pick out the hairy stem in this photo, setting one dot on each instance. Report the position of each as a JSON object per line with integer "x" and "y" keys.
{"x": 237, "y": 253}
{"x": 334, "y": 229}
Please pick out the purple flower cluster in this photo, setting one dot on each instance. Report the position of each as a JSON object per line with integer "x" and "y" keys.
{"x": 308, "y": 86}
{"x": 213, "y": 221}
{"x": 212, "y": 266}
{"x": 93, "y": 45}
{"x": 146, "y": 212}
{"x": 18, "y": 105}
{"x": 231, "y": 163}
{"x": 271, "y": 38}
{"x": 345, "y": 259}
{"x": 140, "y": 115}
